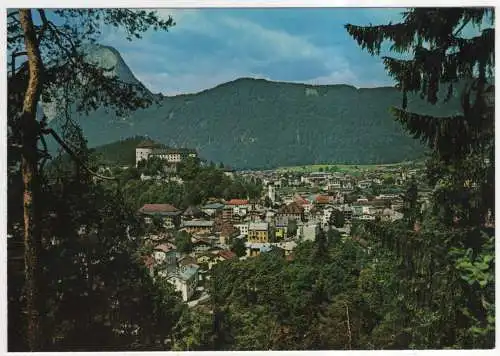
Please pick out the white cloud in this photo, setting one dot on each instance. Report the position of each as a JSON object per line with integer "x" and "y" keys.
{"x": 246, "y": 45}
{"x": 276, "y": 43}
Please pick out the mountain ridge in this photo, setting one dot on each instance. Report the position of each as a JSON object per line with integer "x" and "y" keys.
{"x": 257, "y": 123}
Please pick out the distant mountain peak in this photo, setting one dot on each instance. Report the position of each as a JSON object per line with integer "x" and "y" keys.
{"x": 106, "y": 57}
{"x": 109, "y": 57}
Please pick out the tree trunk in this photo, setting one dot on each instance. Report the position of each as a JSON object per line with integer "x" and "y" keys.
{"x": 31, "y": 182}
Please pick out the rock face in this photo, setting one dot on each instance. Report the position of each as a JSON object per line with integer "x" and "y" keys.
{"x": 254, "y": 123}
{"x": 105, "y": 57}
{"x": 109, "y": 57}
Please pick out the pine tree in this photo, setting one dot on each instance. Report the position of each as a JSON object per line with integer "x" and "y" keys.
{"x": 53, "y": 47}
{"x": 454, "y": 250}
{"x": 444, "y": 58}
{"x": 411, "y": 206}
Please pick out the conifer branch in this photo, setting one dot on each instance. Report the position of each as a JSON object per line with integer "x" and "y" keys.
{"x": 457, "y": 32}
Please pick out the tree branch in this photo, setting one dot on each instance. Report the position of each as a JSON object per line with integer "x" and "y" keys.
{"x": 45, "y": 151}
{"x": 457, "y": 32}
{"x": 13, "y": 60}
{"x": 12, "y": 14}
{"x": 73, "y": 154}
{"x": 45, "y": 25}
{"x": 348, "y": 326}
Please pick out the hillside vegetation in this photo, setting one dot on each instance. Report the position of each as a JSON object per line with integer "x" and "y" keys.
{"x": 254, "y": 123}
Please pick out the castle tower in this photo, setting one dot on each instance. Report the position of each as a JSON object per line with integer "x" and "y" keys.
{"x": 142, "y": 151}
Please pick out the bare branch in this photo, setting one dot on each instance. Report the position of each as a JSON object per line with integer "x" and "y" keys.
{"x": 73, "y": 154}
{"x": 45, "y": 151}
{"x": 13, "y": 14}
{"x": 457, "y": 32}
{"x": 348, "y": 325}
{"x": 13, "y": 60}
{"x": 45, "y": 25}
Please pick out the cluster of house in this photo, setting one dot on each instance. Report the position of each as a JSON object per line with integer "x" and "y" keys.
{"x": 294, "y": 208}
{"x": 214, "y": 227}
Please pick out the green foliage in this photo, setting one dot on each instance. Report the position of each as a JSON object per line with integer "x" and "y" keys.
{"x": 238, "y": 247}
{"x": 96, "y": 291}
{"x": 205, "y": 182}
{"x": 337, "y": 218}
{"x": 333, "y": 236}
{"x": 153, "y": 166}
{"x": 120, "y": 153}
{"x": 183, "y": 242}
{"x": 411, "y": 205}
{"x": 292, "y": 228}
{"x": 447, "y": 266}
{"x": 193, "y": 332}
{"x": 296, "y": 305}
{"x": 91, "y": 289}
{"x": 189, "y": 168}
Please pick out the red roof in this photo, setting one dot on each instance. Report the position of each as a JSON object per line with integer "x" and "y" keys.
{"x": 237, "y": 202}
{"x": 226, "y": 254}
{"x": 166, "y": 247}
{"x": 301, "y": 200}
{"x": 148, "y": 261}
{"x": 322, "y": 199}
{"x": 158, "y": 208}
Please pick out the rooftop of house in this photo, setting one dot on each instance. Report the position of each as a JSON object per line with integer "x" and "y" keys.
{"x": 198, "y": 223}
{"x": 227, "y": 254}
{"x": 181, "y": 151}
{"x": 149, "y": 261}
{"x": 300, "y": 200}
{"x": 261, "y": 246}
{"x": 160, "y": 209}
{"x": 292, "y": 208}
{"x": 213, "y": 206}
{"x": 188, "y": 271}
{"x": 237, "y": 202}
{"x": 165, "y": 247}
{"x": 260, "y": 226}
{"x": 201, "y": 241}
{"x": 322, "y": 199}
{"x": 186, "y": 260}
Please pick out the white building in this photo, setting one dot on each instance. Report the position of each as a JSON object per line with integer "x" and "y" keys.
{"x": 270, "y": 216}
{"x": 142, "y": 153}
{"x": 185, "y": 280}
{"x": 364, "y": 184}
{"x": 147, "y": 149}
{"x": 243, "y": 229}
{"x": 327, "y": 213}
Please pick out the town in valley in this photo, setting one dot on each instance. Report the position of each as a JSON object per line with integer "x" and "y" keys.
{"x": 293, "y": 205}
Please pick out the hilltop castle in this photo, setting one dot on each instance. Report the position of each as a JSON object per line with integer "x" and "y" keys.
{"x": 148, "y": 149}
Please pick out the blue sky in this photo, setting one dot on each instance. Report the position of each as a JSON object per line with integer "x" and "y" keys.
{"x": 211, "y": 46}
